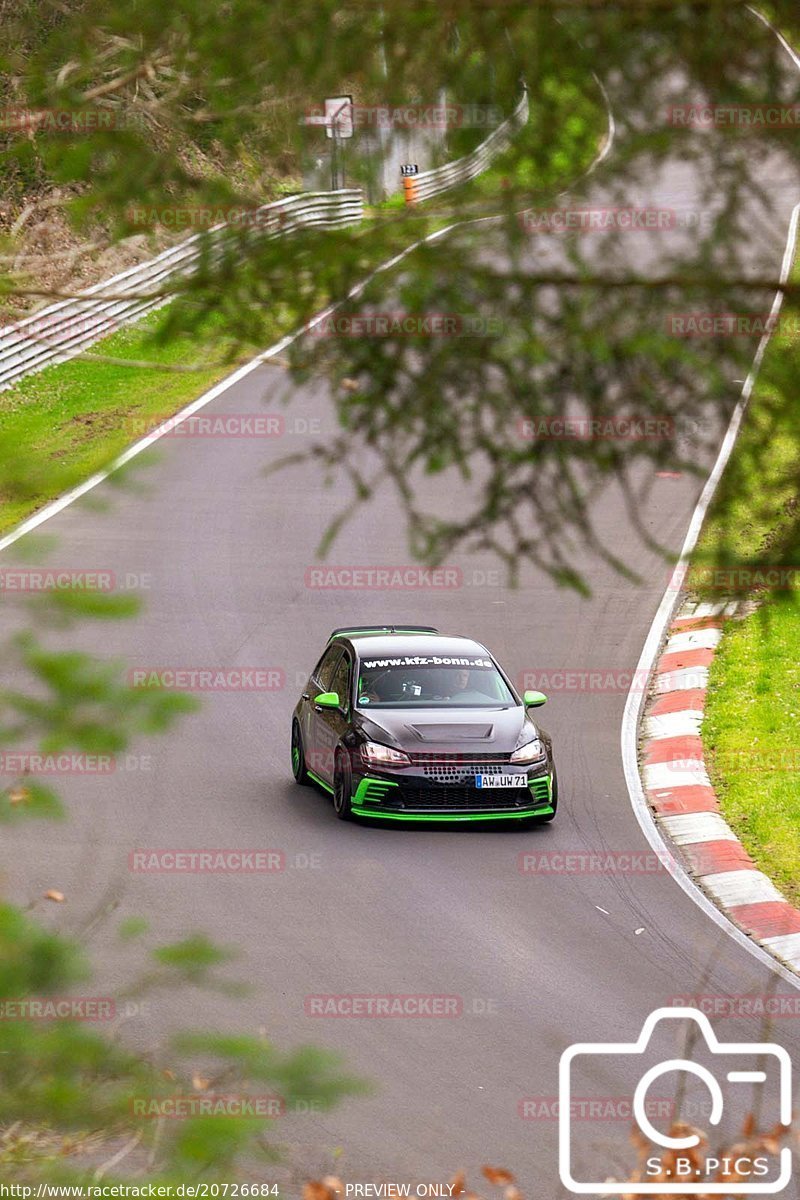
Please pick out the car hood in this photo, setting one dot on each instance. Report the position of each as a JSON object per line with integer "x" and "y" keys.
{"x": 448, "y": 730}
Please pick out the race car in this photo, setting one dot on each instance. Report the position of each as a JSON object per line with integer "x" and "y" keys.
{"x": 402, "y": 723}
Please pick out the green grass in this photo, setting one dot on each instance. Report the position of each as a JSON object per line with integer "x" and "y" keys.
{"x": 75, "y": 417}
{"x": 751, "y": 728}
{"x": 751, "y": 733}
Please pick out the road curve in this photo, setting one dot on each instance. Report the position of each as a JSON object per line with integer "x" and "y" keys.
{"x": 539, "y": 960}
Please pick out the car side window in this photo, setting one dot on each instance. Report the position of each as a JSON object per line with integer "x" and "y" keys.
{"x": 341, "y": 680}
{"x": 326, "y": 667}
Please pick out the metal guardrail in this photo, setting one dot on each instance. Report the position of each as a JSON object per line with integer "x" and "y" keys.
{"x": 62, "y": 330}
{"x": 439, "y": 179}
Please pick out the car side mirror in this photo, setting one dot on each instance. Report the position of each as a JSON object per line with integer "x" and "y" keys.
{"x": 534, "y": 699}
{"x": 327, "y": 700}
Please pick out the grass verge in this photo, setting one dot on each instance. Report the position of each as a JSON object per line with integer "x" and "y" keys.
{"x": 751, "y": 728}
{"x": 74, "y": 418}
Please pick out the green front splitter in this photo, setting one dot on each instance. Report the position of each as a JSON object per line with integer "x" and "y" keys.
{"x": 506, "y": 816}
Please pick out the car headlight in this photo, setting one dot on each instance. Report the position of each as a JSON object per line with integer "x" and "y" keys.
{"x": 376, "y": 755}
{"x": 531, "y": 752}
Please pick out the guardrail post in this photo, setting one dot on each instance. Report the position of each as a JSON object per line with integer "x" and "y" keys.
{"x": 410, "y": 189}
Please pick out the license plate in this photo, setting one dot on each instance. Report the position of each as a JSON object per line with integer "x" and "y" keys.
{"x": 500, "y": 781}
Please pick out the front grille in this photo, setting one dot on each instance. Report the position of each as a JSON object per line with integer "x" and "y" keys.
{"x": 443, "y": 772}
{"x": 454, "y": 798}
{"x": 459, "y": 768}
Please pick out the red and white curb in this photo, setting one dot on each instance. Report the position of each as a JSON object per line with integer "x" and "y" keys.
{"x": 679, "y": 790}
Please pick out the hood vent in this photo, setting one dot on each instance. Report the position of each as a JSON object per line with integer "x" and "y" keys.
{"x": 453, "y": 733}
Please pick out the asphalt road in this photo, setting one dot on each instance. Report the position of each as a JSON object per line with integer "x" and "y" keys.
{"x": 539, "y": 961}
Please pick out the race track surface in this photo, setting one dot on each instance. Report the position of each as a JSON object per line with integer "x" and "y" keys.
{"x": 539, "y": 960}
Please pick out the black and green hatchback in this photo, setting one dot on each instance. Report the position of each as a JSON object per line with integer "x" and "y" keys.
{"x": 406, "y": 724}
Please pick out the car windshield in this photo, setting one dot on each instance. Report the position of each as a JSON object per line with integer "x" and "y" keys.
{"x": 430, "y": 681}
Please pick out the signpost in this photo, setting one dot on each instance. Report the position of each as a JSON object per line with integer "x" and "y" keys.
{"x": 337, "y": 118}
{"x": 339, "y": 112}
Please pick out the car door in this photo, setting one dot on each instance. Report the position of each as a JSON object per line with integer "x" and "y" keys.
{"x": 330, "y": 724}
{"x": 321, "y": 681}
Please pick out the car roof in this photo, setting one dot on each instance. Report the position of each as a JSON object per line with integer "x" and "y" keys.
{"x": 389, "y": 644}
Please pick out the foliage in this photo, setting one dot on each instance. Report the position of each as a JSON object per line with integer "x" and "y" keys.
{"x": 566, "y": 325}
{"x": 581, "y": 319}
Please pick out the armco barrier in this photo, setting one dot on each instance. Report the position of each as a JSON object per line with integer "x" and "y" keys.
{"x": 439, "y": 179}
{"x": 62, "y": 330}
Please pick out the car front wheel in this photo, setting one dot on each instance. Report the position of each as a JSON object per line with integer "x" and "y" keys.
{"x": 342, "y": 788}
{"x": 298, "y": 756}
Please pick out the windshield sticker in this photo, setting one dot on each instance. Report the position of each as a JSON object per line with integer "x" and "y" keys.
{"x": 427, "y": 660}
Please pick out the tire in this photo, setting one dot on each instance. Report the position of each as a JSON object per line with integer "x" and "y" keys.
{"x": 343, "y": 788}
{"x": 532, "y": 822}
{"x": 299, "y": 771}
